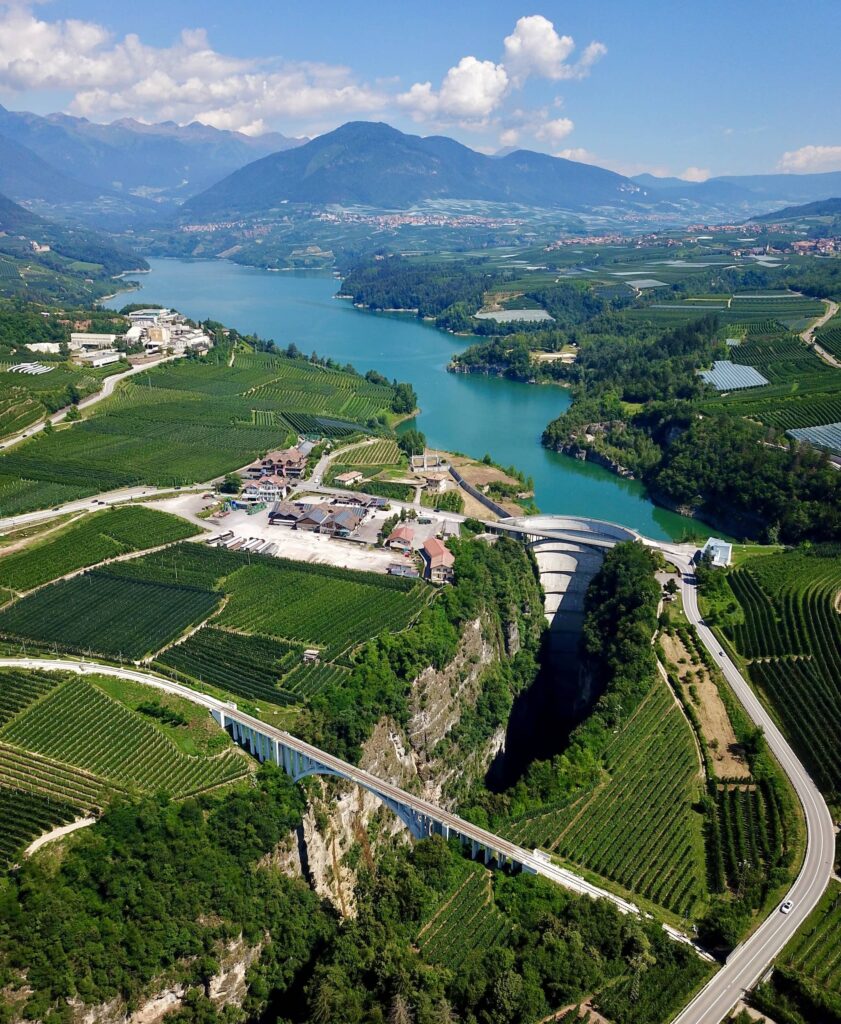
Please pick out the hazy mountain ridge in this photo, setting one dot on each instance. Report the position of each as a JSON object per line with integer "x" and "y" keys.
{"x": 20, "y": 227}
{"x": 128, "y": 156}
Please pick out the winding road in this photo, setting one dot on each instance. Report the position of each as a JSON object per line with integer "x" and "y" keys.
{"x": 747, "y": 964}
{"x": 107, "y": 389}
{"x": 809, "y": 334}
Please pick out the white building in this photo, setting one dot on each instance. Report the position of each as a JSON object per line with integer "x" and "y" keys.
{"x": 720, "y": 552}
{"x": 97, "y": 358}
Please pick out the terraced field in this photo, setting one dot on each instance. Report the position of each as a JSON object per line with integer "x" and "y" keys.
{"x": 637, "y": 827}
{"x": 79, "y": 725}
{"x": 93, "y": 539}
{"x": 26, "y": 816}
{"x": 791, "y": 637}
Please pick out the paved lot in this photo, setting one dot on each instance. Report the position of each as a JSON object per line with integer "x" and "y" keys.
{"x": 295, "y": 544}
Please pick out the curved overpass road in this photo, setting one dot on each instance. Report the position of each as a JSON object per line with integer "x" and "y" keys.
{"x": 748, "y": 962}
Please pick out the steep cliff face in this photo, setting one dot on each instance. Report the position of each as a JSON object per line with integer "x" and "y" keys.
{"x": 227, "y": 988}
{"x": 344, "y": 823}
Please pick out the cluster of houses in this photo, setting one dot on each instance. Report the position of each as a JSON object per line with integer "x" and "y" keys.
{"x": 437, "y": 557}
{"x": 158, "y": 331}
{"x": 269, "y": 478}
{"x": 165, "y": 331}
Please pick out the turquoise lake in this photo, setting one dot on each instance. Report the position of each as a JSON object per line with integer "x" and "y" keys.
{"x": 469, "y": 414}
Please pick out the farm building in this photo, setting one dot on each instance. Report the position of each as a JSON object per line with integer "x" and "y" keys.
{"x": 351, "y": 477}
{"x": 314, "y": 519}
{"x": 345, "y": 522}
{"x": 81, "y": 342}
{"x": 409, "y": 571}
{"x": 436, "y": 483}
{"x": 439, "y": 561}
{"x": 283, "y": 513}
{"x": 401, "y": 539}
{"x": 267, "y": 488}
{"x": 97, "y": 358}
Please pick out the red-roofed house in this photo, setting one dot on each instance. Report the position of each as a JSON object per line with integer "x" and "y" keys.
{"x": 401, "y": 538}
{"x": 439, "y": 561}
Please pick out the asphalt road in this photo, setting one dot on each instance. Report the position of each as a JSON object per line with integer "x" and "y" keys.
{"x": 748, "y": 962}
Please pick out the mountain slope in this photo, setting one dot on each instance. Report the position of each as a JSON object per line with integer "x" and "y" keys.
{"x": 67, "y": 244}
{"x": 821, "y": 208}
{"x": 127, "y": 156}
{"x": 26, "y": 176}
{"x": 375, "y": 165}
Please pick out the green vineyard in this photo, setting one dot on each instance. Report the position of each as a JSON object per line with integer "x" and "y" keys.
{"x": 379, "y": 453}
{"x": 186, "y": 422}
{"x": 79, "y": 725}
{"x": 247, "y": 666}
{"x": 334, "y": 609}
{"x": 467, "y": 921}
{"x": 814, "y": 954}
{"x": 94, "y": 539}
{"x": 19, "y": 689}
{"x": 637, "y": 827}
{"x": 106, "y": 614}
{"x": 26, "y": 816}
{"x": 747, "y": 840}
{"x": 791, "y": 636}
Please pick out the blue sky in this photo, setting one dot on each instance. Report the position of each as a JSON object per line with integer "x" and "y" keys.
{"x": 690, "y": 87}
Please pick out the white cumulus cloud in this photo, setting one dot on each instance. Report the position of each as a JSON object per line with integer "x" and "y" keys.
{"x": 185, "y": 81}
{"x": 554, "y": 131}
{"x": 811, "y": 159}
{"x": 470, "y": 91}
{"x": 535, "y": 48}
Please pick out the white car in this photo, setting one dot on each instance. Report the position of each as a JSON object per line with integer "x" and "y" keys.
{"x": 786, "y": 906}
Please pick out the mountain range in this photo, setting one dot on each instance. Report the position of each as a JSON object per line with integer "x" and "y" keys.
{"x": 128, "y": 174}
{"x": 56, "y": 160}
{"x": 373, "y": 164}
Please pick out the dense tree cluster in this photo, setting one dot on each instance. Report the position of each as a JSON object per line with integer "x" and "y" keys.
{"x": 427, "y": 287}
{"x": 620, "y": 620}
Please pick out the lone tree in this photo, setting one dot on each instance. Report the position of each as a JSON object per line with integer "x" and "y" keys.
{"x": 232, "y": 484}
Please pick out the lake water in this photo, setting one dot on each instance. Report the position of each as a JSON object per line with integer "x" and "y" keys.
{"x": 470, "y": 414}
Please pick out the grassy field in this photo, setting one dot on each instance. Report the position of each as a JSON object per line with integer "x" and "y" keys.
{"x": 93, "y": 539}
{"x": 186, "y": 422}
